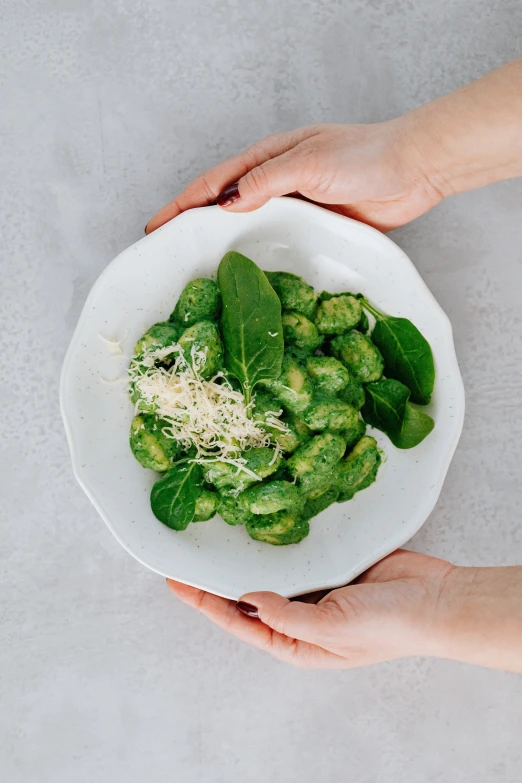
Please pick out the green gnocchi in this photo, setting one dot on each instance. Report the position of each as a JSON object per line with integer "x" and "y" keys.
{"x": 251, "y": 401}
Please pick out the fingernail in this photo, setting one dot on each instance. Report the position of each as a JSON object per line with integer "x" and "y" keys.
{"x": 228, "y": 195}
{"x": 145, "y": 229}
{"x": 248, "y": 609}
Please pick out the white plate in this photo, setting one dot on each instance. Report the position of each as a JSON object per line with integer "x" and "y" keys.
{"x": 141, "y": 286}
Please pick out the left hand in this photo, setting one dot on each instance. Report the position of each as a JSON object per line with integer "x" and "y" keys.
{"x": 394, "y": 610}
{"x": 380, "y": 174}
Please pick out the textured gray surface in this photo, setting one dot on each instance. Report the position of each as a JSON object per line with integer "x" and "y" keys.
{"x": 107, "y": 109}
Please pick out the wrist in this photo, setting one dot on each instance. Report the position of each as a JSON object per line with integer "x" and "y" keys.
{"x": 478, "y": 618}
{"x": 427, "y": 150}
{"x": 470, "y": 137}
{"x": 464, "y": 156}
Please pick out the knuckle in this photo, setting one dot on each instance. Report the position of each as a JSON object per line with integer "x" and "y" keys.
{"x": 309, "y": 159}
{"x": 269, "y": 643}
{"x": 308, "y": 150}
{"x": 200, "y": 187}
{"x": 259, "y": 151}
{"x": 200, "y": 600}
{"x": 318, "y": 180}
{"x": 319, "y": 183}
{"x": 294, "y": 656}
{"x": 275, "y": 621}
{"x": 209, "y": 192}
{"x": 342, "y": 606}
{"x": 257, "y": 180}
{"x": 306, "y": 133}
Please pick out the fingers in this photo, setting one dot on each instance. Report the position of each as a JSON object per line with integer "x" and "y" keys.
{"x": 313, "y": 623}
{"x": 226, "y": 615}
{"x": 277, "y": 177}
{"x": 205, "y": 189}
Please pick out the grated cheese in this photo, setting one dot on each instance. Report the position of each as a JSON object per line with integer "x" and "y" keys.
{"x": 114, "y": 345}
{"x": 207, "y": 414}
{"x": 114, "y": 382}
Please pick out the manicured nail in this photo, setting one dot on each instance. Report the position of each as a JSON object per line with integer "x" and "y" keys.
{"x": 248, "y": 609}
{"x": 228, "y": 195}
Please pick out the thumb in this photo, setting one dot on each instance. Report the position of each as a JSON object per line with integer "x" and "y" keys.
{"x": 275, "y": 177}
{"x": 307, "y": 622}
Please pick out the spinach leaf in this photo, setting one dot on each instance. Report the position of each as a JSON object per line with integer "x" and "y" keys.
{"x": 387, "y": 408}
{"x": 250, "y": 322}
{"x": 173, "y": 497}
{"x": 416, "y": 426}
{"x": 385, "y": 404}
{"x": 407, "y": 354}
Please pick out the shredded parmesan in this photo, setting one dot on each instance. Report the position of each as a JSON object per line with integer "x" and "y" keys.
{"x": 114, "y": 382}
{"x": 277, "y": 452}
{"x": 207, "y": 414}
{"x": 114, "y": 345}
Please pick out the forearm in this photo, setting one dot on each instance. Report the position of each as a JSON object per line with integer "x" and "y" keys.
{"x": 480, "y": 618}
{"x": 473, "y": 136}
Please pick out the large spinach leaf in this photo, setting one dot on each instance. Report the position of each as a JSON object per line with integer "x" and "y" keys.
{"x": 250, "y": 322}
{"x": 407, "y": 354}
{"x": 387, "y": 408}
{"x": 173, "y": 497}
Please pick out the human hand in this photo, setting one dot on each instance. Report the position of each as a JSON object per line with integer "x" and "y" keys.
{"x": 384, "y": 174}
{"x": 374, "y": 173}
{"x": 408, "y": 604}
{"x": 394, "y": 610}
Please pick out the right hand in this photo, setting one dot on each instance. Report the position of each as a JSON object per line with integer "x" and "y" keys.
{"x": 408, "y": 604}
{"x": 375, "y": 173}
{"x": 393, "y": 611}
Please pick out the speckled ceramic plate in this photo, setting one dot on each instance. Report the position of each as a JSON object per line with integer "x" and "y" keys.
{"x": 141, "y": 286}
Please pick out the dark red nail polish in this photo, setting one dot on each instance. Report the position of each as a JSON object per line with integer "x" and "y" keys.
{"x": 248, "y": 609}
{"x": 228, "y": 195}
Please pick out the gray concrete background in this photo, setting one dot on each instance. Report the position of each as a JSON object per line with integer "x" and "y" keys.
{"x": 107, "y": 109}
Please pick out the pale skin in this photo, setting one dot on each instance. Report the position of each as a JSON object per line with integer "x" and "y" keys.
{"x": 386, "y": 175}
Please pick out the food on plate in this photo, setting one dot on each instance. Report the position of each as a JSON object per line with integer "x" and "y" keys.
{"x": 292, "y": 387}
{"x": 267, "y": 498}
{"x": 150, "y": 446}
{"x": 253, "y": 400}
{"x": 158, "y": 336}
{"x": 359, "y": 355}
{"x": 328, "y": 375}
{"x": 333, "y": 415}
{"x": 301, "y": 333}
{"x": 278, "y": 529}
{"x": 338, "y": 314}
{"x": 293, "y": 292}
{"x": 257, "y": 464}
{"x": 206, "y": 505}
{"x": 359, "y": 468}
{"x": 200, "y": 300}
{"x": 313, "y": 466}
